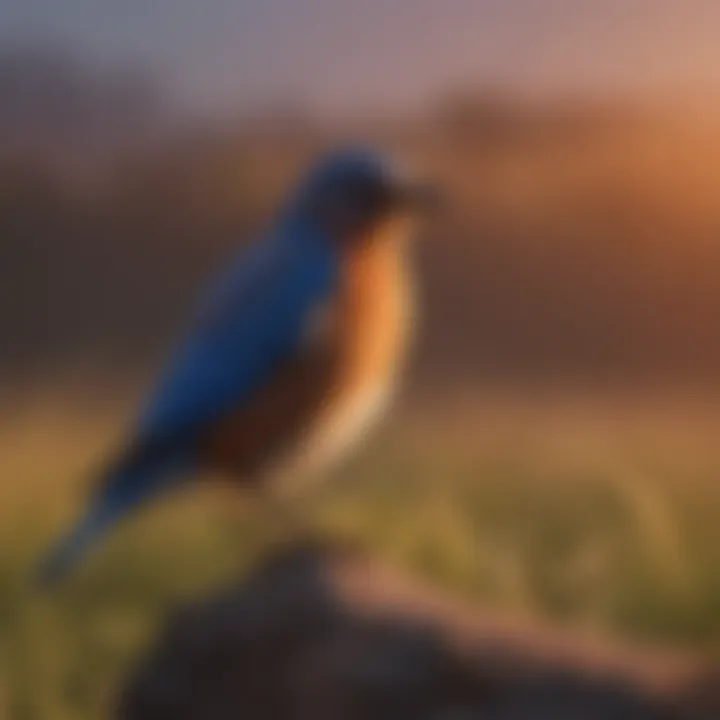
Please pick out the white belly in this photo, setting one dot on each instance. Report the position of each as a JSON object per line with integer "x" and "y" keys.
{"x": 352, "y": 420}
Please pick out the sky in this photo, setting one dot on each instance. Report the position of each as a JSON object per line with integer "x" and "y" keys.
{"x": 349, "y": 55}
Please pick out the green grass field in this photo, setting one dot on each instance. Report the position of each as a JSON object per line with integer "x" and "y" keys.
{"x": 596, "y": 515}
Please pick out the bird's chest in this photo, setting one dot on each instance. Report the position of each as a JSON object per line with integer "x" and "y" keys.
{"x": 369, "y": 325}
{"x": 325, "y": 397}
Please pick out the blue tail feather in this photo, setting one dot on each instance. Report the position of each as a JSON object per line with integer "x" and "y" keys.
{"x": 124, "y": 490}
{"x": 98, "y": 520}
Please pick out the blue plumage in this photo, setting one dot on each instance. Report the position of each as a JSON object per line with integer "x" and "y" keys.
{"x": 253, "y": 319}
{"x": 252, "y": 322}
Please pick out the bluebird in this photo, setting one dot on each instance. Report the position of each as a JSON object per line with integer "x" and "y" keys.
{"x": 293, "y": 355}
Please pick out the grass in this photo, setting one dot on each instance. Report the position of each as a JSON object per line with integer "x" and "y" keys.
{"x": 594, "y": 515}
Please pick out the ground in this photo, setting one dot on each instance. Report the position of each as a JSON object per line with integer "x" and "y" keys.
{"x": 596, "y": 516}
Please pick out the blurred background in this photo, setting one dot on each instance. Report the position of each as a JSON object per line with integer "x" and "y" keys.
{"x": 555, "y": 453}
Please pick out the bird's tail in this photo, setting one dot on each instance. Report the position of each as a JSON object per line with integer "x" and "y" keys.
{"x": 67, "y": 553}
{"x": 133, "y": 481}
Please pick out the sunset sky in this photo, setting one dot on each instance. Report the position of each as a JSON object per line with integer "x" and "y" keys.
{"x": 352, "y": 54}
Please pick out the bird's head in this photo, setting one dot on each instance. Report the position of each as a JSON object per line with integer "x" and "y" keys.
{"x": 357, "y": 196}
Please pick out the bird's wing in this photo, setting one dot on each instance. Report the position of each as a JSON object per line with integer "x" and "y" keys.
{"x": 253, "y": 319}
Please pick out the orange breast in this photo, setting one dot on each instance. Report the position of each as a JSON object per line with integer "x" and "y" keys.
{"x": 360, "y": 347}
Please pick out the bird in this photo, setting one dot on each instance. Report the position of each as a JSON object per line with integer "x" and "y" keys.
{"x": 292, "y": 356}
